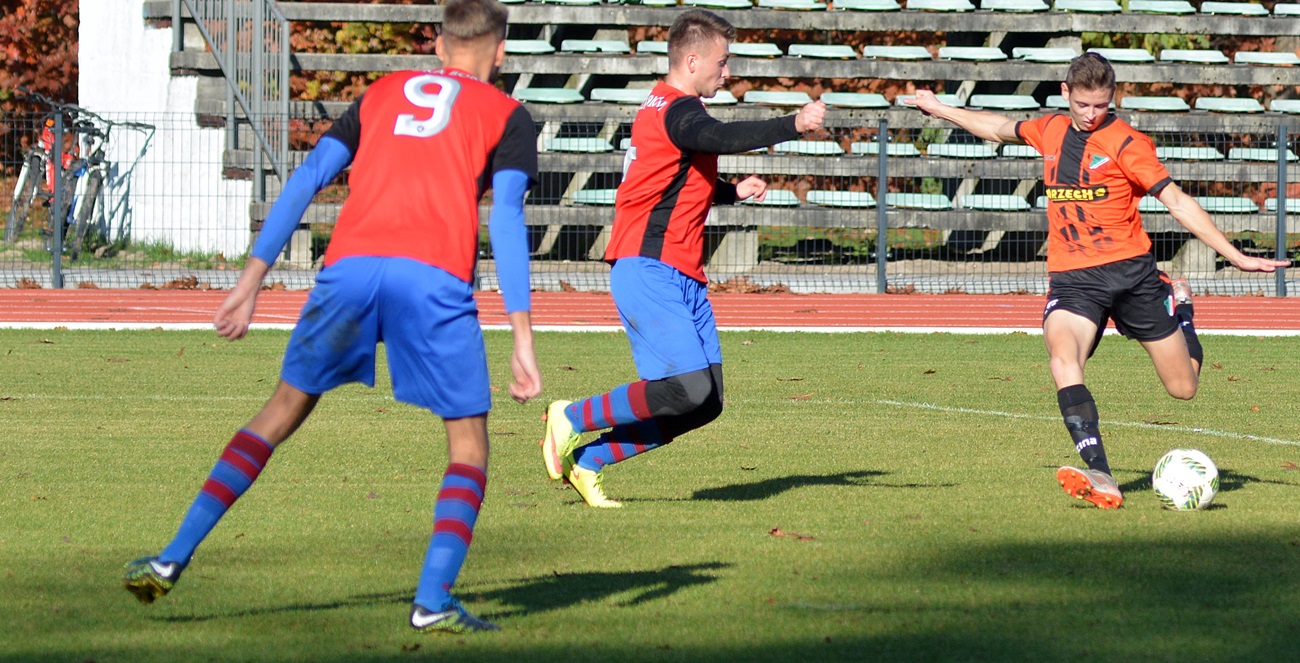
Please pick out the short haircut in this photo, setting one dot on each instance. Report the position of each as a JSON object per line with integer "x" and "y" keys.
{"x": 693, "y": 28}
{"x": 469, "y": 20}
{"x": 1090, "y": 71}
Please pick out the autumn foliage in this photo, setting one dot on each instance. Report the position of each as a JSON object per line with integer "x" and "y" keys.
{"x": 39, "y": 42}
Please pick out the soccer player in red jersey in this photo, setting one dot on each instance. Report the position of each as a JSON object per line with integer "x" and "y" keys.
{"x": 1095, "y": 168}
{"x": 424, "y": 146}
{"x": 656, "y": 248}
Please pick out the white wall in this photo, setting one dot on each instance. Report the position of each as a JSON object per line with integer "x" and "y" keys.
{"x": 177, "y": 193}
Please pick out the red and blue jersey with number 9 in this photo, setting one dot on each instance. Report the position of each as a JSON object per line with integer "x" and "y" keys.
{"x": 425, "y": 145}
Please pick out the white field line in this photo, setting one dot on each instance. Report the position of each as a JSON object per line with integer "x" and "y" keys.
{"x": 1207, "y": 432}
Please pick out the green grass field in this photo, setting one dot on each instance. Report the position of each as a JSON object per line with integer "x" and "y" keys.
{"x": 912, "y": 476}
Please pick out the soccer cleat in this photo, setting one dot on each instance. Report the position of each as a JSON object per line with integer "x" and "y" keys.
{"x": 453, "y": 618}
{"x": 150, "y": 579}
{"x": 1182, "y": 291}
{"x": 1091, "y": 485}
{"x": 559, "y": 441}
{"x": 588, "y": 485}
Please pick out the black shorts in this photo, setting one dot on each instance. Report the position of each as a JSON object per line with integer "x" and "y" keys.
{"x": 1131, "y": 292}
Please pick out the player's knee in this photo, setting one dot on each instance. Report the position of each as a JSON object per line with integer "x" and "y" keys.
{"x": 683, "y": 394}
{"x": 1183, "y": 389}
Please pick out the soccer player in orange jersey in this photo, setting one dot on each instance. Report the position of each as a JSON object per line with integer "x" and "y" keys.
{"x": 1095, "y": 168}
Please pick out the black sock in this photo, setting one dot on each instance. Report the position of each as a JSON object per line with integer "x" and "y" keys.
{"x": 1183, "y": 313}
{"x": 1081, "y": 420}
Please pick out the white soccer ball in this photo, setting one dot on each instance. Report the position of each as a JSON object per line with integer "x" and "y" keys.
{"x": 1185, "y": 480}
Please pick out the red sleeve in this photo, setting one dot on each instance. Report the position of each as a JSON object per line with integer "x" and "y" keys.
{"x": 1137, "y": 158}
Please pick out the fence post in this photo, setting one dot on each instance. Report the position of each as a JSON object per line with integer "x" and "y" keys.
{"x": 882, "y": 191}
{"x": 257, "y": 49}
{"x": 57, "y": 219}
{"x": 232, "y": 117}
{"x": 178, "y": 29}
{"x": 1280, "y": 251}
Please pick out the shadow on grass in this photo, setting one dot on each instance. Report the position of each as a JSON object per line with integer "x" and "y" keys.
{"x": 1229, "y": 480}
{"x": 769, "y": 488}
{"x": 564, "y": 590}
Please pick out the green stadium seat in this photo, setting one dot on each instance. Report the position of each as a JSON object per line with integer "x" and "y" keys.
{"x": 896, "y": 52}
{"x": 853, "y": 199}
{"x": 978, "y": 53}
{"x": 722, "y": 98}
{"x": 815, "y": 148}
{"x": 528, "y": 47}
{"x": 1188, "y": 153}
{"x": 961, "y": 150}
{"x": 1003, "y": 101}
{"x": 755, "y": 50}
{"x": 774, "y": 98}
{"x": 1169, "y": 104}
{"x": 1150, "y": 205}
{"x": 1283, "y": 59}
{"x": 1208, "y": 56}
{"x": 620, "y": 95}
{"x": 587, "y": 145}
{"x": 594, "y": 46}
{"x": 994, "y": 202}
{"x": 624, "y": 144}
{"x": 719, "y": 4}
{"x": 940, "y": 5}
{"x": 1091, "y": 6}
{"x": 1229, "y": 104}
{"x": 572, "y": 2}
{"x": 549, "y": 95}
{"x": 1040, "y": 202}
{"x": 1124, "y": 54}
{"x": 512, "y": 2}
{"x": 1286, "y": 9}
{"x": 927, "y": 201}
{"x": 776, "y": 198}
{"x": 950, "y": 99}
{"x": 1029, "y": 54}
{"x": 826, "y": 51}
{"x": 1258, "y": 154}
{"x": 1161, "y": 7}
{"x": 1059, "y": 102}
{"x": 1234, "y": 8}
{"x": 1014, "y": 5}
{"x": 1013, "y": 151}
{"x": 872, "y": 148}
{"x": 868, "y": 5}
{"x": 603, "y": 197}
{"x": 792, "y": 5}
{"x": 855, "y": 99}
{"x": 653, "y": 47}
{"x": 1284, "y": 105}
{"x": 1227, "y": 205}
{"x": 653, "y": 3}
{"x": 1292, "y": 204}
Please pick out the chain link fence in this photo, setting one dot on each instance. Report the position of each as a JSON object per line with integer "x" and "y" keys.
{"x": 174, "y": 207}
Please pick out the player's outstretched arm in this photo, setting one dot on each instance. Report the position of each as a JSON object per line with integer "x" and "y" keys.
{"x": 811, "y": 117}
{"x": 983, "y": 124}
{"x": 236, "y": 312}
{"x": 1187, "y": 212}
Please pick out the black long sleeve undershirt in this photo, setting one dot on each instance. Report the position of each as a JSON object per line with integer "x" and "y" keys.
{"x": 692, "y": 129}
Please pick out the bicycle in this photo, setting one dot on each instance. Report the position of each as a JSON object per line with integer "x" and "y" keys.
{"x": 90, "y": 209}
{"x": 36, "y": 177}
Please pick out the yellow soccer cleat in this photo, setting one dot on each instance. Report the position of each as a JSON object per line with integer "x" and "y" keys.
{"x": 588, "y": 485}
{"x": 559, "y": 441}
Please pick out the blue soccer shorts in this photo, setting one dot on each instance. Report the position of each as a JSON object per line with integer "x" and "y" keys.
{"x": 668, "y": 318}
{"x": 425, "y": 317}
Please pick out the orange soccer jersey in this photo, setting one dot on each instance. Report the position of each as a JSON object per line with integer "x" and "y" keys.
{"x": 1094, "y": 181}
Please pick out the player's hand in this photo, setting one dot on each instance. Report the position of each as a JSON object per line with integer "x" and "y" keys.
{"x": 810, "y": 117}
{"x": 235, "y": 314}
{"x": 1253, "y": 264}
{"x": 752, "y": 186}
{"x": 925, "y": 101}
{"x": 528, "y": 379}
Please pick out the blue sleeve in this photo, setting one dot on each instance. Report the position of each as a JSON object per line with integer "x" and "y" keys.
{"x": 323, "y": 164}
{"x": 510, "y": 237}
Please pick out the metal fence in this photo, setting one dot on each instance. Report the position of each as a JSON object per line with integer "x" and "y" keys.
{"x": 176, "y": 208}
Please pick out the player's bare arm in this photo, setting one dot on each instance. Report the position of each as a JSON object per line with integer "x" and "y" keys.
{"x": 236, "y": 311}
{"x": 983, "y": 124}
{"x": 751, "y": 187}
{"x": 1193, "y": 217}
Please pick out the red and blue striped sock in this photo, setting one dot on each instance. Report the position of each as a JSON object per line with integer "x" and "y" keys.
{"x": 619, "y": 444}
{"x": 626, "y": 404}
{"x": 234, "y": 473}
{"x": 453, "y": 527}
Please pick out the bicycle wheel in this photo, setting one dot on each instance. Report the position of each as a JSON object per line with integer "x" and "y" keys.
{"x": 24, "y": 193}
{"x": 79, "y": 240}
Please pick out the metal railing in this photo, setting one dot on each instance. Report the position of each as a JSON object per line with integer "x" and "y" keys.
{"x": 250, "y": 41}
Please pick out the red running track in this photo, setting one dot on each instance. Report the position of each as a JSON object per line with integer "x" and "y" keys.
{"x": 552, "y": 309}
